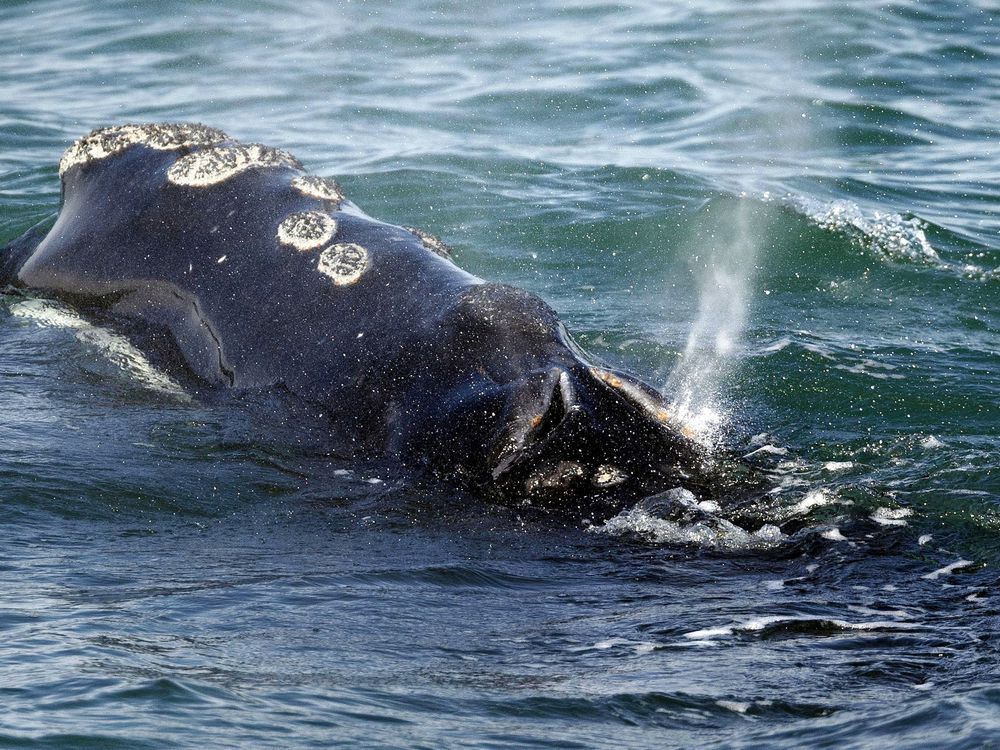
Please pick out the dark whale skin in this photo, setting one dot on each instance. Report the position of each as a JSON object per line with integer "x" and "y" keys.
{"x": 412, "y": 358}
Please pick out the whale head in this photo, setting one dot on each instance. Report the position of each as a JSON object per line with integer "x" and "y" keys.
{"x": 521, "y": 414}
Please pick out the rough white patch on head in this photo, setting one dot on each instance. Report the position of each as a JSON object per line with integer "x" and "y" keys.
{"x": 608, "y": 476}
{"x": 554, "y": 477}
{"x": 319, "y": 187}
{"x": 344, "y": 262}
{"x": 432, "y": 243}
{"x": 214, "y": 165}
{"x": 306, "y": 230}
{"x": 105, "y": 142}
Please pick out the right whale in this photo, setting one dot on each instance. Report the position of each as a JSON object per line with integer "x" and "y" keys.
{"x": 228, "y": 262}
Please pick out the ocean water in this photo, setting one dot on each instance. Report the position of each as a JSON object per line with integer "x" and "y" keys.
{"x": 784, "y": 214}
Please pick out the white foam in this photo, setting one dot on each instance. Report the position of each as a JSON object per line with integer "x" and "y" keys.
{"x": 115, "y": 347}
{"x": 891, "y": 516}
{"x": 879, "y": 612}
{"x": 815, "y": 499}
{"x": 924, "y": 539}
{"x": 947, "y": 570}
{"x": 777, "y": 346}
{"x": 639, "y": 648}
{"x": 739, "y": 707}
{"x": 930, "y": 443}
{"x": 773, "y": 450}
{"x": 716, "y": 533}
{"x": 611, "y": 643}
{"x": 757, "y": 624}
{"x": 834, "y": 535}
{"x": 888, "y": 234}
{"x": 838, "y": 465}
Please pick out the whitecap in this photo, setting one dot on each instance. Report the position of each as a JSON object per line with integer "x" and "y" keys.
{"x": 757, "y": 624}
{"x": 947, "y": 570}
{"x": 708, "y": 531}
{"x": 891, "y": 516}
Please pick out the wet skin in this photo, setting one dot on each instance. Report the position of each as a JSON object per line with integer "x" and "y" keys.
{"x": 187, "y": 246}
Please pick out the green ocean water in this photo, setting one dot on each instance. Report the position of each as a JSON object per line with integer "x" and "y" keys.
{"x": 785, "y": 215}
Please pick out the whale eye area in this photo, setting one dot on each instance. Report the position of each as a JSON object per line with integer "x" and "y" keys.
{"x": 104, "y": 142}
{"x": 344, "y": 263}
{"x": 307, "y": 230}
{"x": 319, "y": 188}
{"x": 430, "y": 242}
{"x": 217, "y": 164}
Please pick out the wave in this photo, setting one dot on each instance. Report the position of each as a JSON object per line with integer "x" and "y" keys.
{"x": 114, "y": 347}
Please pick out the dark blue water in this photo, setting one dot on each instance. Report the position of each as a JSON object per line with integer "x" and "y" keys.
{"x": 784, "y": 214}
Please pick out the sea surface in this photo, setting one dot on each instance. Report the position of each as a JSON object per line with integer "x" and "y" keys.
{"x": 784, "y": 214}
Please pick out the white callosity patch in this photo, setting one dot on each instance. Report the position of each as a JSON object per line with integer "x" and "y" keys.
{"x": 320, "y": 188}
{"x": 105, "y": 142}
{"x": 214, "y": 165}
{"x": 608, "y": 476}
{"x": 551, "y": 477}
{"x": 307, "y": 230}
{"x": 344, "y": 262}
{"x": 432, "y": 243}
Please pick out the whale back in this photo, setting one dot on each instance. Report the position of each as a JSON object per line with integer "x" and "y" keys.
{"x": 260, "y": 274}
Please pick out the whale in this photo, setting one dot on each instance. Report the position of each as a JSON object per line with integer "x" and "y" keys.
{"x": 231, "y": 265}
